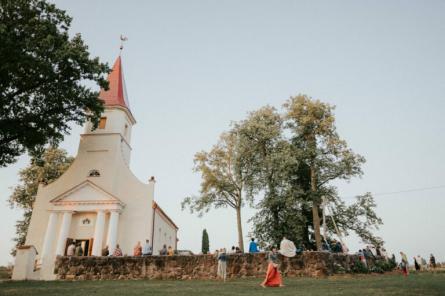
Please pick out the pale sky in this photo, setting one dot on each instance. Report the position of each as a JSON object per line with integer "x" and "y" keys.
{"x": 192, "y": 67}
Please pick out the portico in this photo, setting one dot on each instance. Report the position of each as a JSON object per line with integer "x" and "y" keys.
{"x": 84, "y": 200}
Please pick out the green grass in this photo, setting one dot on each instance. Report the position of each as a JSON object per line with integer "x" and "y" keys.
{"x": 394, "y": 284}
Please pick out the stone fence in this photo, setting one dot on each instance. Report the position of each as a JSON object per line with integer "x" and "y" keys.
{"x": 313, "y": 264}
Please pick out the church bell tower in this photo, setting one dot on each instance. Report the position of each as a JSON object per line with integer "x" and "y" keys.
{"x": 117, "y": 118}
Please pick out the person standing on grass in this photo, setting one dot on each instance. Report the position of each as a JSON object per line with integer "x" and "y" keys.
{"x": 273, "y": 277}
{"x": 432, "y": 261}
{"x": 416, "y": 264}
{"x": 419, "y": 261}
{"x": 222, "y": 264}
{"x": 362, "y": 257}
{"x": 253, "y": 246}
{"x": 423, "y": 263}
{"x": 404, "y": 264}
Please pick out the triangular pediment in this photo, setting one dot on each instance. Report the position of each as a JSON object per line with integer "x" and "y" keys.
{"x": 86, "y": 192}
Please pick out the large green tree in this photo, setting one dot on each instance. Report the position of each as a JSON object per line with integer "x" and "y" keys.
{"x": 223, "y": 179}
{"x": 42, "y": 78}
{"x": 268, "y": 156}
{"x": 53, "y": 163}
{"x": 286, "y": 167}
{"x": 313, "y": 131}
{"x": 286, "y": 164}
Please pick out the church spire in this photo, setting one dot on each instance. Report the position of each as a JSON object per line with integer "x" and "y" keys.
{"x": 116, "y": 95}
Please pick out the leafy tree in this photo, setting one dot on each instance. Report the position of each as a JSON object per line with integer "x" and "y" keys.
{"x": 281, "y": 171}
{"x": 268, "y": 156}
{"x": 287, "y": 163}
{"x": 50, "y": 167}
{"x": 312, "y": 126}
{"x": 359, "y": 217}
{"x": 223, "y": 179}
{"x": 205, "y": 242}
{"x": 42, "y": 78}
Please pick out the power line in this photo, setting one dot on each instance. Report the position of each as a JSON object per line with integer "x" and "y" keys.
{"x": 405, "y": 191}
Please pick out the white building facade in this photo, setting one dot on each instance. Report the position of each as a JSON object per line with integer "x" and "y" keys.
{"x": 98, "y": 201}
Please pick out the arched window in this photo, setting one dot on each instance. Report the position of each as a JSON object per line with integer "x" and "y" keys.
{"x": 94, "y": 173}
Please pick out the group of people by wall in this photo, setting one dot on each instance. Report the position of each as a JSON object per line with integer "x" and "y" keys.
{"x": 75, "y": 249}
{"x": 147, "y": 250}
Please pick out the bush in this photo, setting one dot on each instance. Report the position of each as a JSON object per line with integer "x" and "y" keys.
{"x": 5, "y": 272}
{"x": 376, "y": 269}
{"x": 359, "y": 267}
{"x": 392, "y": 262}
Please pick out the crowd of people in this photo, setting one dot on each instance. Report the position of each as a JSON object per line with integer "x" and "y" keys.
{"x": 75, "y": 249}
{"x": 287, "y": 249}
{"x": 419, "y": 263}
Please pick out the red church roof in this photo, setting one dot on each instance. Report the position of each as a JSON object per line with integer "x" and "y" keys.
{"x": 116, "y": 95}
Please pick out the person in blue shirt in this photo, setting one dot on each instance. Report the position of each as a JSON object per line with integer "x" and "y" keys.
{"x": 253, "y": 247}
{"x": 147, "y": 250}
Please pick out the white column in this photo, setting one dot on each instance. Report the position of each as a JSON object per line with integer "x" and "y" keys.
{"x": 64, "y": 232}
{"x": 112, "y": 231}
{"x": 49, "y": 236}
{"x": 99, "y": 233}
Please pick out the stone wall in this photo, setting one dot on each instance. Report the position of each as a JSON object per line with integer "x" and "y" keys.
{"x": 313, "y": 264}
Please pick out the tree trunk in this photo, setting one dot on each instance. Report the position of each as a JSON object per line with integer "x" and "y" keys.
{"x": 240, "y": 229}
{"x": 315, "y": 208}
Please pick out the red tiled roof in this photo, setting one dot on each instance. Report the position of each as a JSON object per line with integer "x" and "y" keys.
{"x": 116, "y": 95}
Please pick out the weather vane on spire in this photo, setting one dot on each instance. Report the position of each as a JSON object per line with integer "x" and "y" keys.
{"x": 123, "y": 38}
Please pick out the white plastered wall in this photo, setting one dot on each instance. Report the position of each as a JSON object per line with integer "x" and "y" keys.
{"x": 103, "y": 151}
{"x": 164, "y": 233}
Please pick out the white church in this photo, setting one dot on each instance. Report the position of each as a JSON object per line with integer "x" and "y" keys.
{"x": 97, "y": 202}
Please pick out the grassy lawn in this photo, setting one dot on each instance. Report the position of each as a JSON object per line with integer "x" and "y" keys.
{"x": 395, "y": 284}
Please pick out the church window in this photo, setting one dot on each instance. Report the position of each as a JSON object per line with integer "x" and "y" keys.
{"x": 94, "y": 173}
{"x": 102, "y": 122}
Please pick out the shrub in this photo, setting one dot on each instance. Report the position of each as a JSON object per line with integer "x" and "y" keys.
{"x": 359, "y": 267}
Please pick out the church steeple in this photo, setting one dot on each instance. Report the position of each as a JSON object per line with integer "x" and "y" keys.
{"x": 116, "y": 122}
{"x": 116, "y": 95}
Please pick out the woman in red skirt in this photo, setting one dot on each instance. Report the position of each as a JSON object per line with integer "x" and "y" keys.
{"x": 273, "y": 277}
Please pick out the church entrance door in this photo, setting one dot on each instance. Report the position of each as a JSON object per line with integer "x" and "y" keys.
{"x": 85, "y": 244}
